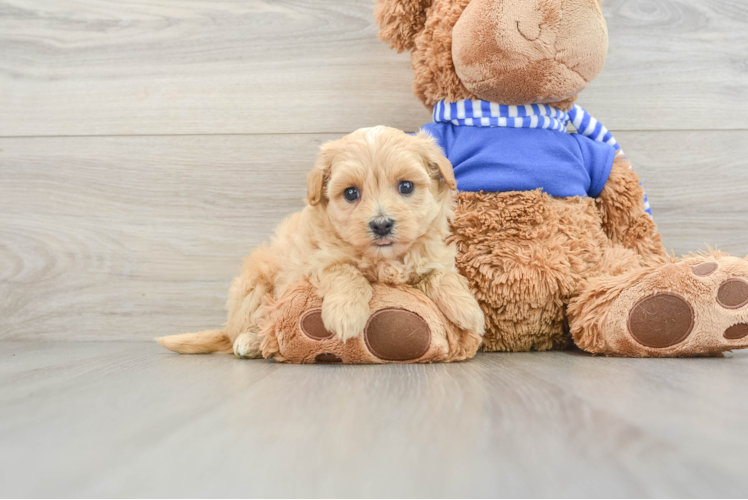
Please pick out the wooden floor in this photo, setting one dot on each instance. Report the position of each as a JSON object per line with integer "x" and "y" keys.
{"x": 123, "y": 419}
{"x": 146, "y": 146}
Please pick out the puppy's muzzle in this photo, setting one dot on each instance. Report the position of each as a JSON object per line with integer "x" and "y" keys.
{"x": 381, "y": 227}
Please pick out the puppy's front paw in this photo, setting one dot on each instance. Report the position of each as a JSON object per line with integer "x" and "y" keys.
{"x": 247, "y": 345}
{"x": 474, "y": 320}
{"x": 465, "y": 312}
{"x": 344, "y": 316}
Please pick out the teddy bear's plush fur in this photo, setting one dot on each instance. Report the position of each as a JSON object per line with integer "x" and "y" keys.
{"x": 544, "y": 269}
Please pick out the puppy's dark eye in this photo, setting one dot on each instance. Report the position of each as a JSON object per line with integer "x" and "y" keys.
{"x": 351, "y": 194}
{"x": 405, "y": 187}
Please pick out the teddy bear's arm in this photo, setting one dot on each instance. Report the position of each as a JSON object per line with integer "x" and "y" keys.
{"x": 624, "y": 220}
{"x": 400, "y": 21}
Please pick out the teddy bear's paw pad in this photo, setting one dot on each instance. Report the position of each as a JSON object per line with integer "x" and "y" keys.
{"x": 736, "y": 331}
{"x": 313, "y": 327}
{"x": 705, "y": 269}
{"x": 733, "y": 293}
{"x": 328, "y": 358}
{"x": 661, "y": 320}
{"x": 397, "y": 335}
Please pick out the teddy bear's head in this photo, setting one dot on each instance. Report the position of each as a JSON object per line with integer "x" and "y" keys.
{"x": 505, "y": 51}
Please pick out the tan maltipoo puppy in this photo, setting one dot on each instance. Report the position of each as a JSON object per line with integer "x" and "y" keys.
{"x": 379, "y": 203}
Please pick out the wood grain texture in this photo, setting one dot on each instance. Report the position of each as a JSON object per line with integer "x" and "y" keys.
{"x": 133, "y": 420}
{"x": 199, "y": 67}
{"x": 132, "y": 237}
{"x": 696, "y": 183}
{"x": 96, "y": 233}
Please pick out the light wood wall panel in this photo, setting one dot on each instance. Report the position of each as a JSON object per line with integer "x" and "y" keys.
{"x": 126, "y": 238}
{"x": 112, "y": 67}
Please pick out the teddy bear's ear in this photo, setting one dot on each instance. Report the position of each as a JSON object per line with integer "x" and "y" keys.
{"x": 437, "y": 164}
{"x": 320, "y": 174}
{"x": 400, "y": 21}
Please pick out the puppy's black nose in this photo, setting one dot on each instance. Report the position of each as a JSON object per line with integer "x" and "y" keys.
{"x": 381, "y": 226}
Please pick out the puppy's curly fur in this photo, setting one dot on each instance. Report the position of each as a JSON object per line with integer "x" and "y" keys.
{"x": 332, "y": 243}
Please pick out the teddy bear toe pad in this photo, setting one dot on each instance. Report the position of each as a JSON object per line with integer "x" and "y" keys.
{"x": 733, "y": 293}
{"x": 327, "y": 357}
{"x": 736, "y": 331}
{"x": 705, "y": 269}
{"x": 312, "y": 325}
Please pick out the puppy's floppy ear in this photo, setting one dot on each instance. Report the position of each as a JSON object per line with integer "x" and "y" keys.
{"x": 437, "y": 164}
{"x": 320, "y": 174}
{"x": 400, "y": 21}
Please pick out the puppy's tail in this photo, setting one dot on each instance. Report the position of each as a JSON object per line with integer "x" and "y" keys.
{"x": 197, "y": 343}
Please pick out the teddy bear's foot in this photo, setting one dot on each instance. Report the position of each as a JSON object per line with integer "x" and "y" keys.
{"x": 695, "y": 307}
{"x": 404, "y": 327}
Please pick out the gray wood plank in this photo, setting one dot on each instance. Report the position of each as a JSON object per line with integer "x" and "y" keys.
{"x": 174, "y": 67}
{"x": 201, "y": 67}
{"x": 696, "y": 183}
{"x": 132, "y": 222}
{"x": 133, "y": 237}
{"x": 673, "y": 64}
{"x": 109, "y": 419}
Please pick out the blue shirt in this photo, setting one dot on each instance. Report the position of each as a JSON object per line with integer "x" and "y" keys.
{"x": 498, "y": 159}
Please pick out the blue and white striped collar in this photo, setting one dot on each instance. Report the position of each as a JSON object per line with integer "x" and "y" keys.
{"x": 477, "y": 113}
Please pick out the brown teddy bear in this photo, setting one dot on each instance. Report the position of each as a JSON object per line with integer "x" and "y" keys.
{"x": 552, "y": 228}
